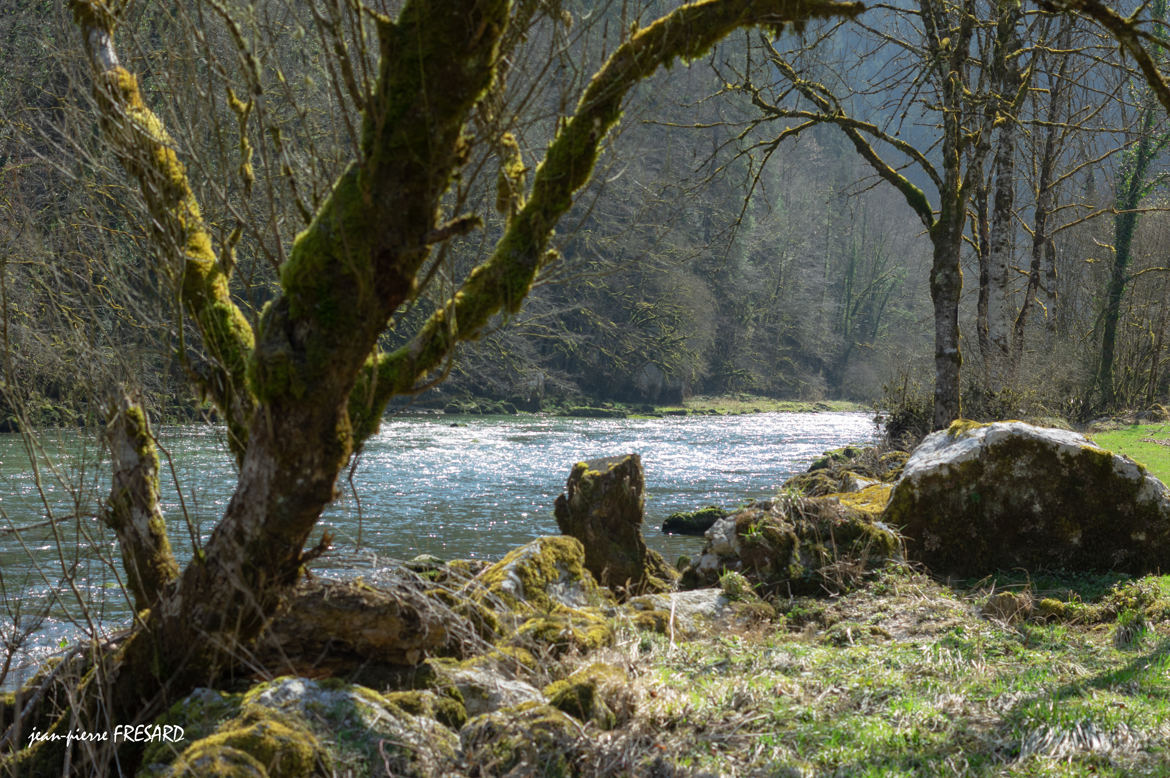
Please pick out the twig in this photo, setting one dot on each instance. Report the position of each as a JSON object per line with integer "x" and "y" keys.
{"x": 49, "y": 522}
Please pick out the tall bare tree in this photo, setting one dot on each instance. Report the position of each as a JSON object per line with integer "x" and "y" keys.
{"x": 941, "y": 65}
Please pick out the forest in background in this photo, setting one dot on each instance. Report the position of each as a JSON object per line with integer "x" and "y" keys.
{"x": 709, "y": 255}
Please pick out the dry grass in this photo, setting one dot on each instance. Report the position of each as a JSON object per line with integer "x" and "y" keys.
{"x": 901, "y": 678}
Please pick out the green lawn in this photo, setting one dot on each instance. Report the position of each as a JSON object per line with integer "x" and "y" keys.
{"x": 904, "y": 678}
{"x": 1146, "y": 443}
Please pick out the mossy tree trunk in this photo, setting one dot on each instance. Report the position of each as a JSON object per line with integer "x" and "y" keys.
{"x": 304, "y": 387}
{"x": 133, "y": 511}
{"x": 1133, "y": 186}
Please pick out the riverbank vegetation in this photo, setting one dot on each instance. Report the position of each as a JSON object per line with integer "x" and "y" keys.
{"x": 909, "y": 677}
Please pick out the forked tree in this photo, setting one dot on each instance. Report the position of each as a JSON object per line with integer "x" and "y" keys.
{"x": 305, "y": 386}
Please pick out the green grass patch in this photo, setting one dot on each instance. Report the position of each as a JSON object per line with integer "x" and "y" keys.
{"x": 744, "y": 403}
{"x": 1145, "y": 443}
{"x": 937, "y": 690}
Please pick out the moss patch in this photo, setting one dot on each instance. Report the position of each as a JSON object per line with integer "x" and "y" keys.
{"x": 583, "y": 695}
{"x": 544, "y": 575}
{"x": 566, "y": 630}
{"x": 533, "y": 735}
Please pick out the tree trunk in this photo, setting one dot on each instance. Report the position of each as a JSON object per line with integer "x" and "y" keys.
{"x": 133, "y": 511}
{"x": 1131, "y": 191}
{"x": 999, "y": 257}
{"x": 1042, "y": 264}
{"x": 946, "y": 285}
{"x": 983, "y": 255}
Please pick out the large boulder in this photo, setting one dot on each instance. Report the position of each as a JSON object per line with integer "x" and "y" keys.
{"x": 392, "y": 622}
{"x": 976, "y": 498}
{"x": 603, "y": 508}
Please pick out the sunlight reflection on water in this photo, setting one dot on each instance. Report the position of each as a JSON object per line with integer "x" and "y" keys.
{"x": 424, "y": 486}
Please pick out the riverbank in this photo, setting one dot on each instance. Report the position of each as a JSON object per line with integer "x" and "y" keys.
{"x": 699, "y": 405}
{"x": 535, "y": 670}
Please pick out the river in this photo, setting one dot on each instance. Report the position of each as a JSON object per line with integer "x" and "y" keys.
{"x": 452, "y": 486}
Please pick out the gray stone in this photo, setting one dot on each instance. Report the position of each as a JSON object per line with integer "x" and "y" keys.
{"x": 976, "y": 498}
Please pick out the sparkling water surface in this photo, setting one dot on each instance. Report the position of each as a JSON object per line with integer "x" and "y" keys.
{"x": 452, "y": 486}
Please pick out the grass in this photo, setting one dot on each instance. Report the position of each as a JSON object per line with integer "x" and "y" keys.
{"x": 1146, "y": 443}
{"x": 742, "y": 403}
{"x": 905, "y": 678}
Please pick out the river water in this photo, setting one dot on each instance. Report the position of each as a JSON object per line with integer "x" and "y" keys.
{"x": 455, "y": 487}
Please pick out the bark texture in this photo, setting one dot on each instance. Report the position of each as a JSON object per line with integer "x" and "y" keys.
{"x": 133, "y": 511}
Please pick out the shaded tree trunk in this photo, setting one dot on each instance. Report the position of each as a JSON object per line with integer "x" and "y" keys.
{"x": 1042, "y": 268}
{"x": 1132, "y": 189}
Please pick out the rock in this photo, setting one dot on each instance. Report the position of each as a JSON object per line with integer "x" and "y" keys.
{"x": 447, "y": 709}
{"x": 355, "y": 621}
{"x": 871, "y": 500}
{"x": 581, "y": 630}
{"x": 693, "y": 612}
{"x": 597, "y": 693}
{"x": 424, "y": 563}
{"x": 290, "y": 726}
{"x": 539, "y": 599}
{"x": 693, "y": 522}
{"x": 602, "y": 508}
{"x": 795, "y": 544}
{"x": 976, "y": 498}
{"x": 847, "y": 469}
{"x": 485, "y": 683}
{"x": 542, "y": 576}
{"x": 842, "y": 455}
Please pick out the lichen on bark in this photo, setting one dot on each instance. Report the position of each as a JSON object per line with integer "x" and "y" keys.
{"x": 133, "y": 510}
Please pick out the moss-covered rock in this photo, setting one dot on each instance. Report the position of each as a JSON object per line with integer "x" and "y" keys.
{"x": 871, "y": 500}
{"x": 397, "y": 624}
{"x": 542, "y": 576}
{"x": 529, "y": 739}
{"x": 216, "y": 761}
{"x": 795, "y": 544}
{"x": 603, "y": 508}
{"x": 359, "y": 727}
{"x": 258, "y": 741}
{"x": 485, "y": 683}
{"x": 686, "y": 613}
{"x": 693, "y": 522}
{"x": 447, "y": 707}
{"x": 976, "y": 498}
{"x": 580, "y": 630}
{"x": 837, "y": 456}
{"x": 200, "y": 714}
{"x": 848, "y": 469}
{"x": 593, "y": 694}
